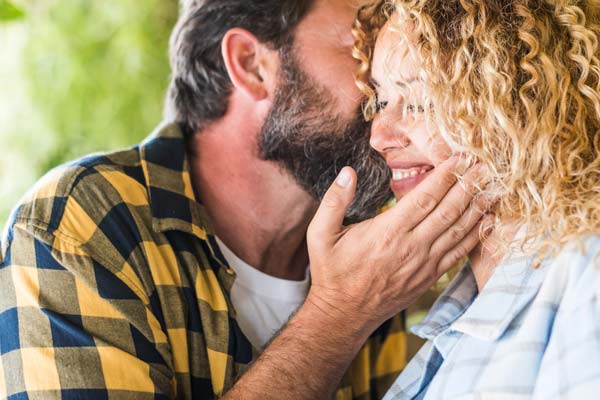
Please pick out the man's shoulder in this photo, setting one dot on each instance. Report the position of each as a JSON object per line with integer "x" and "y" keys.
{"x": 82, "y": 190}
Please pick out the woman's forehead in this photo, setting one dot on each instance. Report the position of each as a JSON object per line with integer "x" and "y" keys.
{"x": 393, "y": 59}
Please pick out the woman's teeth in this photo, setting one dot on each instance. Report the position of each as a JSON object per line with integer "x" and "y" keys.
{"x": 400, "y": 174}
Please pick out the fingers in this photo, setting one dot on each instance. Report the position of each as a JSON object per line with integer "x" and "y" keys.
{"x": 452, "y": 207}
{"x": 420, "y": 202}
{"x": 417, "y": 206}
{"x": 464, "y": 247}
{"x": 329, "y": 219}
{"x": 443, "y": 219}
{"x": 459, "y": 230}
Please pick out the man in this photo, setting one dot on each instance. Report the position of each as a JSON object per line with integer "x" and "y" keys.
{"x": 164, "y": 270}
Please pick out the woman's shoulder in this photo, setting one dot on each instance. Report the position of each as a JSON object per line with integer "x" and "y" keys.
{"x": 575, "y": 271}
{"x": 572, "y": 338}
{"x": 580, "y": 255}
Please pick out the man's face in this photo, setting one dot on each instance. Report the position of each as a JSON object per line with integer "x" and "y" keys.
{"x": 315, "y": 126}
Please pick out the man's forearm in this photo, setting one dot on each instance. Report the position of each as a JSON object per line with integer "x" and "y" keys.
{"x": 307, "y": 360}
{"x": 364, "y": 274}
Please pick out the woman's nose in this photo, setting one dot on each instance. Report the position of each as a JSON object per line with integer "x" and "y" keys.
{"x": 387, "y": 135}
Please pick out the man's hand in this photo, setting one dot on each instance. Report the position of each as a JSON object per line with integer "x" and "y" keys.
{"x": 361, "y": 276}
{"x": 370, "y": 271}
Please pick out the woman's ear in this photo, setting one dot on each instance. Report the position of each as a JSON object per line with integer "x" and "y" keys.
{"x": 251, "y": 65}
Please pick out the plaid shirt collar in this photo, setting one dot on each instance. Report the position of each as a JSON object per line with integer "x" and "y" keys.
{"x": 460, "y": 309}
{"x": 171, "y": 195}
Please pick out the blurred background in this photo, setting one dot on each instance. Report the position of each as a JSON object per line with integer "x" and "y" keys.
{"x": 76, "y": 77}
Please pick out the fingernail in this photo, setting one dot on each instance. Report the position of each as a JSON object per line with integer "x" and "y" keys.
{"x": 462, "y": 165}
{"x": 344, "y": 179}
{"x": 482, "y": 175}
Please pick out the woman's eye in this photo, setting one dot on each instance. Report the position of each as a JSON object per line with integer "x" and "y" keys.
{"x": 415, "y": 108}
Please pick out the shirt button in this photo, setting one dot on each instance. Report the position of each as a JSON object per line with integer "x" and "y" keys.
{"x": 230, "y": 271}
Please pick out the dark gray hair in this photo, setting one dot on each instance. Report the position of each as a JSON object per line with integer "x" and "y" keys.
{"x": 200, "y": 86}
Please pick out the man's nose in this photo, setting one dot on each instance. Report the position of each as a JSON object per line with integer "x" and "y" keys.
{"x": 387, "y": 134}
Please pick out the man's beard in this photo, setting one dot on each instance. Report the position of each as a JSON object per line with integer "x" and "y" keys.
{"x": 309, "y": 139}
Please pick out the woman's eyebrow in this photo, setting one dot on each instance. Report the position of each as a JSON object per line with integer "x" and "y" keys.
{"x": 407, "y": 82}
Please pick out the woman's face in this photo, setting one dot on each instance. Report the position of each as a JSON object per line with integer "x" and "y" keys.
{"x": 401, "y": 132}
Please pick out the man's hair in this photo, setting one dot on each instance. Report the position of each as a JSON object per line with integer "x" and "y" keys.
{"x": 200, "y": 86}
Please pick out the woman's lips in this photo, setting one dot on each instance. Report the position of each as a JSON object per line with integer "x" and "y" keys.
{"x": 406, "y": 177}
{"x": 406, "y": 173}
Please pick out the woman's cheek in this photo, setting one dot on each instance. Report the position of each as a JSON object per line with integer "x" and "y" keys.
{"x": 431, "y": 146}
{"x": 440, "y": 151}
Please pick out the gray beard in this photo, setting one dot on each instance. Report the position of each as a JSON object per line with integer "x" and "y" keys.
{"x": 305, "y": 135}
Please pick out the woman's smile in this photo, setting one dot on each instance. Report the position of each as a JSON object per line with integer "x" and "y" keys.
{"x": 406, "y": 176}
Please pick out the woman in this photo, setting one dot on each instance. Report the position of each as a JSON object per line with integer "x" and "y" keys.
{"x": 513, "y": 85}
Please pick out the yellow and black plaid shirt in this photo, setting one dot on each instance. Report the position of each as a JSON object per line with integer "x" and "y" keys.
{"x": 112, "y": 287}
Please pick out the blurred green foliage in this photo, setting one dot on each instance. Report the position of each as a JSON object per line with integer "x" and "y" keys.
{"x": 9, "y": 11}
{"x": 80, "y": 76}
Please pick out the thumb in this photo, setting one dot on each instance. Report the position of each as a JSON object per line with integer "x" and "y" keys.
{"x": 329, "y": 219}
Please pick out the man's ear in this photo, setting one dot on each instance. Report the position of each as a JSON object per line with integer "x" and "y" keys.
{"x": 251, "y": 65}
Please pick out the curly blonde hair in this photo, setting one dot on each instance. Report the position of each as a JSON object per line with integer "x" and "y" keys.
{"x": 516, "y": 85}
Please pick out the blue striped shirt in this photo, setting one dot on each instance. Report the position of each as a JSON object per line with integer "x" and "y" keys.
{"x": 530, "y": 333}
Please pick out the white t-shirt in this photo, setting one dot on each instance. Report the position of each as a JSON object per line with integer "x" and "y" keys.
{"x": 263, "y": 303}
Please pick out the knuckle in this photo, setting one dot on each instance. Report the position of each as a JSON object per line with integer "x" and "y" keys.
{"x": 459, "y": 252}
{"x": 425, "y": 201}
{"x": 332, "y": 200}
{"x": 448, "y": 215}
{"x": 388, "y": 237}
{"x": 414, "y": 251}
{"x": 435, "y": 257}
{"x": 457, "y": 232}
{"x": 435, "y": 253}
{"x": 403, "y": 254}
{"x": 448, "y": 178}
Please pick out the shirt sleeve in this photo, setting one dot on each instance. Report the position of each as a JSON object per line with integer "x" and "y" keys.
{"x": 72, "y": 328}
{"x": 378, "y": 363}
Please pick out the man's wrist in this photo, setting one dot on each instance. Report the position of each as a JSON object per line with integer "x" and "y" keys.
{"x": 340, "y": 325}
{"x": 318, "y": 342}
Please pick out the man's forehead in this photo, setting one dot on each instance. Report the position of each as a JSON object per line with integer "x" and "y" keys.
{"x": 340, "y": 11}
{"x": 332, "y": 17}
